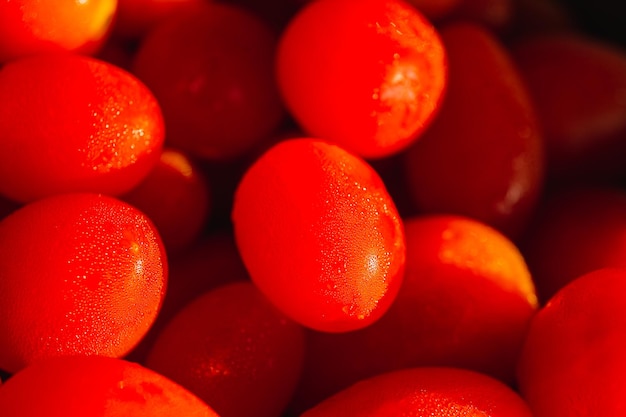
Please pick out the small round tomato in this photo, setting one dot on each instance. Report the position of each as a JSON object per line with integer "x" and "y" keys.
{"x": 466, "y": 300}
{"x": 424, "y": 392}
{"x": 243, "y": 347}
{"x": 320, "y": 235}
{"x": 33, "y": 27}
{"x": 80, "y": 274}
{"x": 74, "y": 124}
{"x": 211, "y": 67}
{"x": 367, "y": 74}
{"x": 95, "y": 387}
{"x": 483, "y": 155}
{"x": 573, "y": 360}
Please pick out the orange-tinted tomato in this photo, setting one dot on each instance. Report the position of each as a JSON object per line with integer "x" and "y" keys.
{"x": 573, "y": 360}
{"x": 441, "y": 392}
{"x": 74, "y": 124}
{"x": 466, "y": 301}
{"x": 33, "y": 27}
{"x": 96, "y": 387}
{"x": 320, "y": 235}
{"x": 234, "y": 350}
{"x": 367, "y": 74}
{"x": 483, "y": 155}
{"x": 80, "y": 274}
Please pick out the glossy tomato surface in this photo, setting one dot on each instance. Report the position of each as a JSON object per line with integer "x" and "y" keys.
{"x": 367, "y": 74}
{"x": 320, "y": 235}
{"x": 96, "y": 387}
{"x": 80, "y": 274}
{"x": 74, "y": 124}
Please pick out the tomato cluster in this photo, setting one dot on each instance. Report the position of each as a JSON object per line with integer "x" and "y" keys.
{"x": 310, "y": 207}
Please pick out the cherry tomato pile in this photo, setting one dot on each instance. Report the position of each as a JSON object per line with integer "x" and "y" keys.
{"x": 321, "y": 208}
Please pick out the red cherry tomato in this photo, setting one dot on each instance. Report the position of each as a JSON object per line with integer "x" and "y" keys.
{"x": 175, "y": 196}
{"x": 575, "y": 232}
{"x": 483, "y": 156}
{"x": 579, "y": 87}
{"x": 231, "y": 344}
{"x": 466, "y": 301}
{"x": 33, "y": 27}
{"x": 74, "y": 124}
{"x": 320, "y": 235}
{"x": 573, "y": 360}
{"x": 367, "y": 74}
{"x": 212, "y": 69}
{"x": 79, "y": 274}
{"x": 424, "y": 392}
{"x": 95, "y": 387}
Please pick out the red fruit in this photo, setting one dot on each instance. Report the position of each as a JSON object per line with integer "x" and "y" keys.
{"x": 466, "y": 301}
{"x": 424, "y": 392}
{"x": 483, "y": 156}
{"x": 74, "y": 124}
{"x": 176, "y": 198}
{"x": 367, "y": 74}
{"x": 95, "y": 387}
{"x": 234, "y": 350}
{"x": 573, "y": 360}
{"x": 80, "y": 274}
{"x": 579, "y": 89}
{"x": 320, "y": 235}
{"x": 33, "y": 27}
{"x": 212, "y": 69}
{"x": 575, "y": 232}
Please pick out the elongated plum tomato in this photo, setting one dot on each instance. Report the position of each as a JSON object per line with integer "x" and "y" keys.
{"x": 320, "y": 235}
{"x": 368, "y": 74}
{"x": 33, "y": 27}
{"x": 80, "y": 274}
{"x": 74, "y": 124}
{"x": 96, "y": 387}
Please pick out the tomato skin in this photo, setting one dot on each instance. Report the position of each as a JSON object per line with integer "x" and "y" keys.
{"x": 573, "y": 359}
{"x": 95, "y": 269}
{"x": 175, "y": 196}
{"x": 483, "y": 156}
{"x": 319, "y": 235}
{"x": 96, "y": 387}
{"x": 33, "y": 27}
{"x": 367, "y": 74}
{"x": 466, "y": 300}
{"x": 211, "y": 67}
{"x": 424, "y": 392}
{"x": 245, "y": 347}
{"x": 74, "y": 124}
